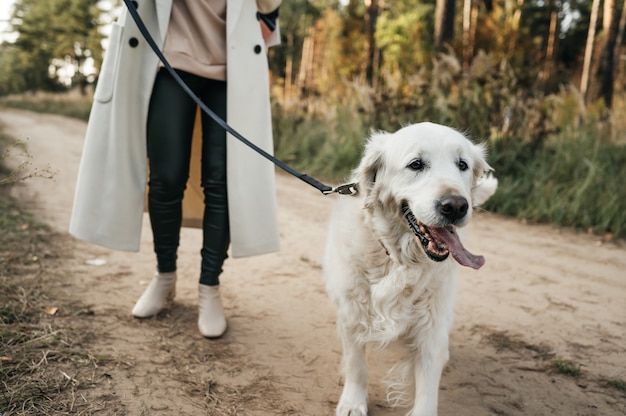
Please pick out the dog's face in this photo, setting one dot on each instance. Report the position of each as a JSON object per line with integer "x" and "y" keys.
{"x": 428, "y": 170}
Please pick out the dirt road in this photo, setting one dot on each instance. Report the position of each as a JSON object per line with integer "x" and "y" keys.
{"x": 547, "y": 300}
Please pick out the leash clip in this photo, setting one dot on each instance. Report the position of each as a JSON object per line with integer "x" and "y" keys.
{"x": 345, "y": 189}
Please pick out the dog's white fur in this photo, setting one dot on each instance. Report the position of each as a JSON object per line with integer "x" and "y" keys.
{"x": 384, "y": 286}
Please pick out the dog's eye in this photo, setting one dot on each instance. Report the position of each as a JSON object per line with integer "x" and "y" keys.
{"x": 417, "y": 165}
{"x": 462, "y": 165}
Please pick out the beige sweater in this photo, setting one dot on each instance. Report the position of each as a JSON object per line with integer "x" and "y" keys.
{"x": 196, "y": 38}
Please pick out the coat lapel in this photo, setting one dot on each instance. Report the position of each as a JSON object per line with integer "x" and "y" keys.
{"x": 233, "y": 10}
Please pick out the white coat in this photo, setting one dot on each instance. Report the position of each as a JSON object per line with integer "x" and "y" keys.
{"x": 109, "y": 199}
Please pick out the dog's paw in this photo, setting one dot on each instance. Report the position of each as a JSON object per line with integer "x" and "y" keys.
{"x": 350, "y": 409}
{"x": 353, "y": 400}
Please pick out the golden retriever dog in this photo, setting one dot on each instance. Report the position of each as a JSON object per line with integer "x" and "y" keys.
{"x": 392, "y": 255}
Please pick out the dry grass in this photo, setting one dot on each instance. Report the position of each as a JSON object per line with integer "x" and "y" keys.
{"x": 71, "y": 104}
{"x": 46, "y": 361}
{"x": 49, "y": 364}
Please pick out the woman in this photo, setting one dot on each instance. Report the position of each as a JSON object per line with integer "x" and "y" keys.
{"x": 138, "y": 111}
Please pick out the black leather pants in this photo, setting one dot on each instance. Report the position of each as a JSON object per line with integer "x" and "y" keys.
{"x": 170, "y": 127}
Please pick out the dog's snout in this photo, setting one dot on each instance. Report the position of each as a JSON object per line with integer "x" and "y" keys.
{"x": 453, "y": 207}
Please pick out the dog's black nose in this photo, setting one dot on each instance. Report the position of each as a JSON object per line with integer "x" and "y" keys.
{"x": 453, "y": 207}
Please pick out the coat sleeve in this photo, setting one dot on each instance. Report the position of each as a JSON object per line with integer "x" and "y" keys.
{"x": 270, "y": 28}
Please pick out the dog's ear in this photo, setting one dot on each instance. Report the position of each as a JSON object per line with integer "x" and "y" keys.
{"x": 370, "y": 166}
{"x": 481, "y": 167}
{"x": 484, "y": 184}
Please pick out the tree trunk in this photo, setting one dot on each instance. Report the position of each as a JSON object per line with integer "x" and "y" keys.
{"x": 473, "y": 28}
{"x": 289, "y": 66}
{"x": 517, "y": 16}
{"x": 620, "y": 35}
{"x": 444, "y": 23}
{"x": 372, "y": 17}
{"x": 468, "y": 49}
{"x": 551, "y": 44}
{"x": 608, "y": 14}
{"x": 305, "y": 76}
{"x": 606, "y": 70}
{"x": 470, "y": 19}
{"x": 591, "y": 37}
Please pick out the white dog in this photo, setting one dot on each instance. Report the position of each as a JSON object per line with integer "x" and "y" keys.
{"x": 386, "y": 265}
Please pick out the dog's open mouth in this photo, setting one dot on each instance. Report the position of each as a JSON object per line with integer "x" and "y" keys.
{"x": 439, "y": 242}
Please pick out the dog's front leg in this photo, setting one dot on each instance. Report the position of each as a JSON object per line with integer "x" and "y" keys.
{"x": 353, "y": 400}
{"x": 429, "y": 362}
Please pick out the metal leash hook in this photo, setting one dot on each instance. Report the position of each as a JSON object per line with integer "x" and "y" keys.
{"x": 345, "y": 189}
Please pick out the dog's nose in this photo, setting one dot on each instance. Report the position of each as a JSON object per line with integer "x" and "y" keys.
{"x": 453, "y": 207}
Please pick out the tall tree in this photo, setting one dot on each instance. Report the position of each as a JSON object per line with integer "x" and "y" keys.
{"x": 354, "y": 40}
{"x": 405, "y": 36}
{"x": 608, "y": 14}
{"x": 444, "y": 23}
{"x": 54, "y": 31}
{"x": 372, "y": 17}
{"x": 553, "y": 31}
{"x": 296, "y": 19}
{"x": 610, "y": 53}
{"x": 591, "y": 38}
{"x": 620, "y": 35}
{"x": 515, "y": 23}
{"x": 470, "y": 16}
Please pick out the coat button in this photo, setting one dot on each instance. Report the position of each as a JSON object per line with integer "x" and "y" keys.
{"x": 135, "y": 4}
{"x": 133, "y": 42}
{"x": 257, "y": 49}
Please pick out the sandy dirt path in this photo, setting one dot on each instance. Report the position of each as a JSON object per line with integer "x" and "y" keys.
{"x": 546, "y": 295}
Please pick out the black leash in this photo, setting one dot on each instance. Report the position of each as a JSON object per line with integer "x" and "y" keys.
{"x": 347, "y": 189}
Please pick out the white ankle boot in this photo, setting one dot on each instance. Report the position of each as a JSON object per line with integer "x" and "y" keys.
{"x": 160, "y": 290}
{"x": 211, "y": 319}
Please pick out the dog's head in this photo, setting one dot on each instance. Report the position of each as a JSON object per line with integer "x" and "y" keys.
{"x": 430, "y": 173}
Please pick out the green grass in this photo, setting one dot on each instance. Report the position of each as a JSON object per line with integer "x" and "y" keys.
{"x": 573, "y": 181}
{"x": 617, "y": 384}
{"x": 567, "y": 368}
{"x": 326, "y": 145}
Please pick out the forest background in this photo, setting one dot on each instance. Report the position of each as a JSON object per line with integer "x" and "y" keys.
{"x": 541, "y": 81}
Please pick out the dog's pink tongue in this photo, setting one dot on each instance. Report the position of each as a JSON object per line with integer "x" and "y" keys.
{"x": 460, "y": 254}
